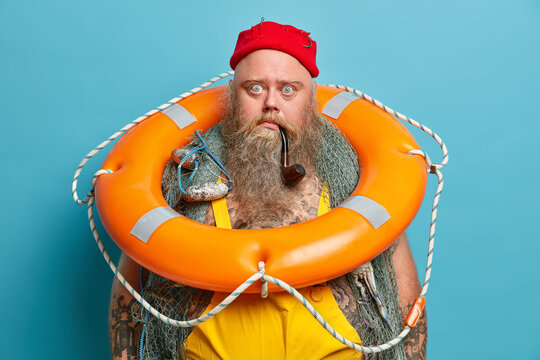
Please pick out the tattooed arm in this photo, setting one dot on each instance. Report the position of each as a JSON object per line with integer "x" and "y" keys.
{"x": 415, "y": 342}
{"x": 124, "y": 333}
{"x": 409, "y": 289}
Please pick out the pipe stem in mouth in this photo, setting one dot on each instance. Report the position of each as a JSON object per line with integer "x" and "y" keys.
{"x": 291, "y": 174}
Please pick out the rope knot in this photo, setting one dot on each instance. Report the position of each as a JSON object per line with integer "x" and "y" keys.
{"x": 264, "y": 284}
{"x": 432, "y": 168}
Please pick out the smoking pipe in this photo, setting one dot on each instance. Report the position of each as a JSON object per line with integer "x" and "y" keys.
{"x": 291, "y": 174}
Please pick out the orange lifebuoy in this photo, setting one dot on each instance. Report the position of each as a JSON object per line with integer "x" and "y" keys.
{"x": 136, "y": 216}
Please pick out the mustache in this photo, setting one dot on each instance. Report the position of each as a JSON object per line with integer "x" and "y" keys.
{"x": 291, "y": 131}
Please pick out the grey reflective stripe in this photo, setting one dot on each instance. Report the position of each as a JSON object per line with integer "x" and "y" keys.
{"x": 179, "y": 115}
{"x": 335, "y": 106}
{"x": 371, "y": 210}
{"x": 149, "y": 222}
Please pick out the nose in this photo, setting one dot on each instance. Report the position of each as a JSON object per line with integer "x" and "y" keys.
{"x": 271, "y": 102}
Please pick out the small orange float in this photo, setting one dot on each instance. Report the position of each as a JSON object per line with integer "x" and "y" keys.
{"x": 136, "y": 216}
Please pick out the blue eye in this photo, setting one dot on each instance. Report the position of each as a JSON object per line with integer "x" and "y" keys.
{"x": 256, "y": 88}
{"x": 288, "y": 90}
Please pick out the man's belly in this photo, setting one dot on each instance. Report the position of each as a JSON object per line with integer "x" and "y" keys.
{"x": 278, "y": 327}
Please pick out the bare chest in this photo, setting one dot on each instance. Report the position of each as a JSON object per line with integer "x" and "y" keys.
{"x": 301, "y": 204}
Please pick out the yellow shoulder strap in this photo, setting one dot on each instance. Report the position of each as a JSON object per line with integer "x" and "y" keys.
{"x": 223, "y": 221}
{"x": 324, "y": 201}
{"x": 221, "y": 213}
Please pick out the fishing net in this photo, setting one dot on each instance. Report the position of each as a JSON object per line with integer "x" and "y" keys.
{"x": 337, "y": 165}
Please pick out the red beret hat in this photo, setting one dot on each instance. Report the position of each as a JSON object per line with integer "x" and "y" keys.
{"x": 286, "y": 38}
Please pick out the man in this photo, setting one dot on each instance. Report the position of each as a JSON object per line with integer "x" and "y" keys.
{"x": 273, "y": 86}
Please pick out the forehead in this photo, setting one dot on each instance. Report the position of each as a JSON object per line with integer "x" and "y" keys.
{"x": 271, "y": 66}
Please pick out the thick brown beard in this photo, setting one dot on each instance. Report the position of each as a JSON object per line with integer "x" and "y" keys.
{"x": 253, "y": 153}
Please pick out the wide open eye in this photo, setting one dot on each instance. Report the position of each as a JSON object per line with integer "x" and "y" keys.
{"x": 287, "y": 90}
{"x": 256, "y": 88}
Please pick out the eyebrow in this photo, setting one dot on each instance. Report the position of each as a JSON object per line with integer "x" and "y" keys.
{"x": 298, "y": 84}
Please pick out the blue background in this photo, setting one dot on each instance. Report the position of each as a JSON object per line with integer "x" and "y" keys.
{"x": 72, "y": 73}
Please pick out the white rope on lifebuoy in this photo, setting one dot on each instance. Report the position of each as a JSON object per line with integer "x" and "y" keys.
{"x": 432, "y": 168}
{"x": 261, "y": 275}
{"x": 404, "y": 118}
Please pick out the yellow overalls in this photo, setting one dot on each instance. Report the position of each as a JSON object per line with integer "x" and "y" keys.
{"x": 275, "y": 328}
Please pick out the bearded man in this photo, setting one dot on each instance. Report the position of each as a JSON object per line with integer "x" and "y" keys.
{"x": 273, "y": 87}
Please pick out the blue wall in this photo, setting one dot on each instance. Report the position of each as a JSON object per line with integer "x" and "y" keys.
{"x": 72, "y": 73}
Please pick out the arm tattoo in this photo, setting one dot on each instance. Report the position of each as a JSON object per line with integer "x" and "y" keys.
{"x": 414, "y": 343}
{"x": 124, "y": 332}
